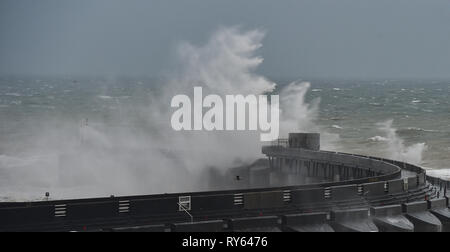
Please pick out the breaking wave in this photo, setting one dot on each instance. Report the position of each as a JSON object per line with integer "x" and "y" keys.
{"x": 396, "y": 148}
{"x": 94, "y": 159}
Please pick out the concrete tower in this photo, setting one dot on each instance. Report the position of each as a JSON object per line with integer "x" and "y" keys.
{"x": 310, "y": 141}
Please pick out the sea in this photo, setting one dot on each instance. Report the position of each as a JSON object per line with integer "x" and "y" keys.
{"x": 43, "y": 120}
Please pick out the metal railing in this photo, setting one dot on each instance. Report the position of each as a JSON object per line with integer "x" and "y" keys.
{"x": 281, "y": 142}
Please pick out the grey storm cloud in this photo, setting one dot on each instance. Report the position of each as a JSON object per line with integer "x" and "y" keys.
{"x": 325, "y": 38}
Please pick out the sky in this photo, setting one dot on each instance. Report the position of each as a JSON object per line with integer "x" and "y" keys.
{"x": 304, "y": 38}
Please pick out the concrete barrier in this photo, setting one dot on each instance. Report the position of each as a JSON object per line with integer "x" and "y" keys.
{"x": 92, "y": 210}
{"x": 424, "y": 221}
{"x": 374, "y": 189}
{"x": 165, "y": 206}
{"x": 154, "y": 206}
{"x": 263, "y": 200}
{"x": 344, "y": 192}
{"x": 18, "y": 215}
{"x": 355, "y": 220}
{"x": 307, "y": 196}
{"x": 395, "y": 186}
{"x": 391, "y": 219}
{"x": 202, "y": 226}
{"x": 412, "y": 183}
{"x": 309, "y": 222}
{"x": 213, "y": 202}
{"x": 439, "y": 208}
{"x": 255, "y": 224}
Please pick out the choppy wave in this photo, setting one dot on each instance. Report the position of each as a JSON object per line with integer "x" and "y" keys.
{"x": 379, "y": 139}
{"x": 417, "y": 129}
{"x": 336, "y": 126}
{"x": 13, "y": 94}
{"x": 105, "y": 97}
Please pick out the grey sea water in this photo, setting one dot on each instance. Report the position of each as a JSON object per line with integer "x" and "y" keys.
{"x": 41, "y": 120}
{"x": 420, "y": 111}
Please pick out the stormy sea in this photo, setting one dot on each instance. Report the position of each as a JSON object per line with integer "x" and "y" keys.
{"x": 45, "y": 120}
{"x": 77, "y": 137}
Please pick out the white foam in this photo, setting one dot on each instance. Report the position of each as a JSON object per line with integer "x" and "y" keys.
{"x": 396, "y": 148}
{"x": 13, "y": 94}
{"x": 440, "y": 173}
{"x": 379, "y": 139}
{"x": 105, "y": 97}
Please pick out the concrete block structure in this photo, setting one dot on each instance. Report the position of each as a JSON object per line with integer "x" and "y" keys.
{"x": 296, "y": 187}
